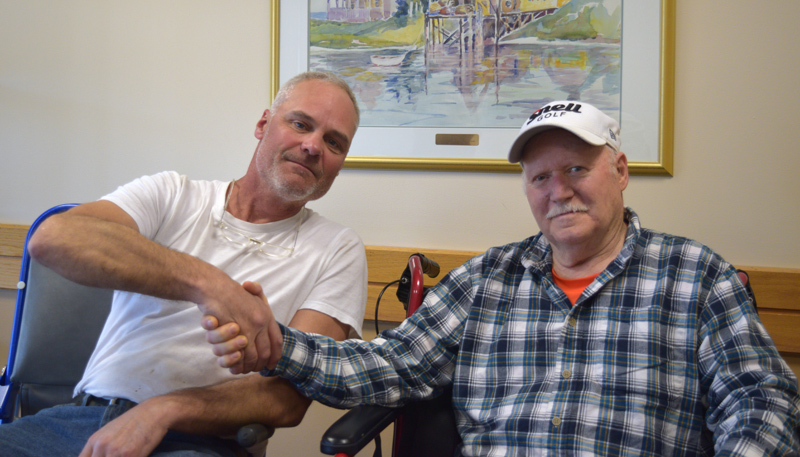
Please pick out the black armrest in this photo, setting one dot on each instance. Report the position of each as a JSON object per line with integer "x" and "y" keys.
{"x": 252, "y": 434}
{"x": 356, "y": 428}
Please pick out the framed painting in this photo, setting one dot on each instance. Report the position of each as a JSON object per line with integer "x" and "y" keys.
{"x": 446, "y": 84}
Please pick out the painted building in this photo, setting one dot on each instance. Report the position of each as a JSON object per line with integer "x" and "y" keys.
{"x": 359, "y": 10}
{"x": 537, "y": 5}
{"x": 487, "y": 7}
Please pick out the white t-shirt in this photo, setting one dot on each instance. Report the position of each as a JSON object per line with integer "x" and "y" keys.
{"x": 151, "y": 346}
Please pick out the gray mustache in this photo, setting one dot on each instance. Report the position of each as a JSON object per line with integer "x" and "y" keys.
{"x": 564, "y": 208}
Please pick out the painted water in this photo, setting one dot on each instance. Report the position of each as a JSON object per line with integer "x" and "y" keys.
{"x": 489, "y": 87}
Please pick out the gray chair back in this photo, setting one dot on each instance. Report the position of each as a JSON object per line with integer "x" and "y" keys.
{"x": 56, "y": 327}
{"x": 57, "y": 331}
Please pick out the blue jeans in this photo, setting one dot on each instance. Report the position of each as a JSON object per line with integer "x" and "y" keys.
{"x": 64, "y": 430}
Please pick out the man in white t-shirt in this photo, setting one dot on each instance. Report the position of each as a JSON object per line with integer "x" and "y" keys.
{"x": 175, "y": 249}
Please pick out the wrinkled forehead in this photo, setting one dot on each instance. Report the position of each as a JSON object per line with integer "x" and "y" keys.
{"x": 562, "y": 151}
{"x": 322, "y": 101}
{"x": 317, "y": 87}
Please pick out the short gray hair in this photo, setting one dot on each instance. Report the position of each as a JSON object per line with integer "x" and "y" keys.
{"x": 325, "y": 76}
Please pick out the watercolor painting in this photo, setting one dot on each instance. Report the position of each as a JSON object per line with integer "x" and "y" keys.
{"x": 468, "y": 63}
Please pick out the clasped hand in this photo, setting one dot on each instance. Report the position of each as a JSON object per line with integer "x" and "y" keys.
{"x": 233, "y": 348}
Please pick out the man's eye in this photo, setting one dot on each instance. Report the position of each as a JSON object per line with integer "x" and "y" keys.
{"x": 299, "y": 125}
{"x": 538, "y": 179}
{"x": 335, "y": 146}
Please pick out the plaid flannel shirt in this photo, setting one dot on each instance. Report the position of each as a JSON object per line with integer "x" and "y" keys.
{"x": 663, "y": 354}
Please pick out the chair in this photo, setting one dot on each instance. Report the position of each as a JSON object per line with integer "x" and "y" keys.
{"x": 422, "y": 429}
{"x": 56, "y": 326}
{"x": 745, "y": 278}
{"x": 425, "y": 428}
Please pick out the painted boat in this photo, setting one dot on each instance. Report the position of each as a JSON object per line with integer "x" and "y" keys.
{"x": 388, "y": 61}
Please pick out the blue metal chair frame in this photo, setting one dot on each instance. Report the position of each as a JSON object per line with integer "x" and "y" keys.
{"x": 7, "y": 388}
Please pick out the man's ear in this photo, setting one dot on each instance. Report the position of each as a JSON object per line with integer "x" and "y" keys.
{"x": 262, "y": 123}
{"x": 621, "y": 164}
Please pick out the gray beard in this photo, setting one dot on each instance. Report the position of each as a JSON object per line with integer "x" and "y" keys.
{"x": 293, "y": 193}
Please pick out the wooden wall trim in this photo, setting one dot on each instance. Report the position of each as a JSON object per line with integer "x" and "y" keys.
{"x": 12, "y": 240}
{"x": 386, "y": 264}
{"x": 777, "y": 289}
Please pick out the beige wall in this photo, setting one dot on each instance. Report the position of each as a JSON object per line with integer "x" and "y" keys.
{"x": 94, "y": 93}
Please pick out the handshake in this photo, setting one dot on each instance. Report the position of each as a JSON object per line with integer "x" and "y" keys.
{"x": 231, "y": 341}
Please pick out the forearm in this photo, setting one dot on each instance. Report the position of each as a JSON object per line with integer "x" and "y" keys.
{"x": 354, "y": 372}
{"x": 98, "y": 244}
{"x": 224, "y": 408}
{"x": 761, "y": 412}
{"x": 753, "y": 395}
{"x": 102, "y": 253}
{"x": 766, "y": 424}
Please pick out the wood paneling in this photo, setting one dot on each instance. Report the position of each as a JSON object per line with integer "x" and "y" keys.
{"x": 777, "y": 289}
{"x": 783, "y": 326}
{"x": 12, "y": 240}
{"x": 386, "y": 264}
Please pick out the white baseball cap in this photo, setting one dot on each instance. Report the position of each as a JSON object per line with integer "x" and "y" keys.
{"x": 584, "y": 120}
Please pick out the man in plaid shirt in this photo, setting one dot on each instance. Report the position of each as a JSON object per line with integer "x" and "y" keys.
{"x": 594, "y": 337}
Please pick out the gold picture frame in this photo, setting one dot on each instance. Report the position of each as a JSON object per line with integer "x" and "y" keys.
{"x": 650, "y": 119}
